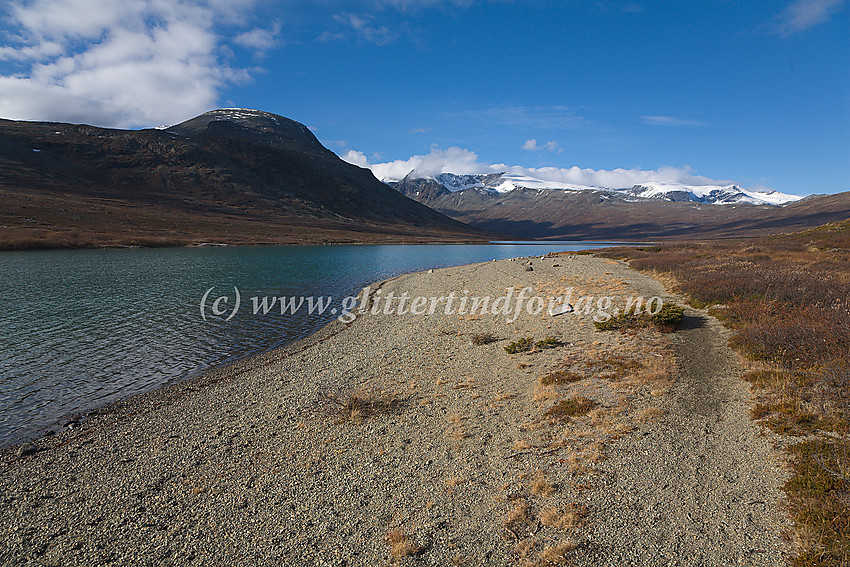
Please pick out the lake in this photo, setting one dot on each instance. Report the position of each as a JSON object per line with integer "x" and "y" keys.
{"x": 82, "y": 328}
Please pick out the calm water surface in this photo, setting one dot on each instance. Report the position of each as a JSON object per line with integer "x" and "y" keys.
{"x": 85, "y": 327}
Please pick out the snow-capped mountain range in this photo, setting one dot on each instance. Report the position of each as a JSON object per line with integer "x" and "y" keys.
{"x": 500, "y": 183}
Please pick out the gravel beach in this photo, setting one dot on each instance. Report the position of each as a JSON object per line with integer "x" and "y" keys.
{"x": 399, "y": 440}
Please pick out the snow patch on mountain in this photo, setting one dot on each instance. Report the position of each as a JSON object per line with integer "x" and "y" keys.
{"x": 498, "y": 182}
{"x": 715, "y": 194}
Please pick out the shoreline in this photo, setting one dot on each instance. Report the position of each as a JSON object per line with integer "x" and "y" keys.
{"x": 458, "y": 457}
{"x": 58, "y": 423}
{"x": 418, "y": 242}
{"x": 211, "y": 244}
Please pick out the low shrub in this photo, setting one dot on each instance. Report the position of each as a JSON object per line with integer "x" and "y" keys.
{"x": 522, "y": 345}
{"x": 668, "y": 319}
{"x": 548, "y": 342}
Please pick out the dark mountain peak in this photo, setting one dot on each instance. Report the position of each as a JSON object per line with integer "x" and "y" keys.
{"x": 247, "y": 123}
{"x": 419, "y": 188}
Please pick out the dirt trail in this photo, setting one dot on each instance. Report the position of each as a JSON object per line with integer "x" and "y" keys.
{"x": 700, "y": 486}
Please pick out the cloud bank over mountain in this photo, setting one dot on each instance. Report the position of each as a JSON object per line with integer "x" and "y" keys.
{"x": 464, "y": 162}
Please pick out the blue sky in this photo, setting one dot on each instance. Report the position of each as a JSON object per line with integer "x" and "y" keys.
{"x": 755, "y": 93}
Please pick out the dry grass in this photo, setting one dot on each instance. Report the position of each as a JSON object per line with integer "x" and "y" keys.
{"x": 581, "y": 459}
{"x": 569, "y": 408}
{"x": 401, "y": 544}
{"x": 456, "y": 419}
{"x": 560, "y": 378}
{"x": 456, "y": 428}
{"x": 523, "y": 549}
{"x": 650, "y": 414}
{"x": 457, "y": 433}
{"x": 364, "y": 404}
{"x": 453, "y": 482}
{"x": 614, "y": 367}
{"x": 540, "y": 486}
{"x": 565, "y": 519}
{"x": 557, "y": 554}
{"x": 502, "y": 396}
{"x": 518, "y": 517}
{"x": 484, "y": 339}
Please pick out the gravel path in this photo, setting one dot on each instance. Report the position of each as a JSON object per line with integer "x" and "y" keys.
{"x": 467, "y": 463}
{"x": 700, "y": 487}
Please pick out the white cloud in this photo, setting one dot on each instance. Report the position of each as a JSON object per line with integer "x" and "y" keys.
{"x": 259, "y": 39}
{"x": 462, "y": 161}
{"x": 454, "y": 160}
{"x": 360, "y": 27}
{"x": 109, "y": 63}
{"x": 531, "y": 146}
{"x": 804, "y": 14}
{"x": 670, "y": 121}
{"x": 356, "y": 158}
{"x": 611, "y": 178}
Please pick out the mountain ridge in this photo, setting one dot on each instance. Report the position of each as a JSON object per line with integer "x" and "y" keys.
{"x": 233, "y": 176}
{"x": 505, "y": 182}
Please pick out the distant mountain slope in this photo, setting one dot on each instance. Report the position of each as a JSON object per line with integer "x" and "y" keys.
{"x": 230, "y": 175}
{"x": 605, "y": 214}
{"x": 499, "y": 183}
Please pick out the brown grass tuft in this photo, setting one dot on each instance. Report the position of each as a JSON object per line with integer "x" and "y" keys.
{"x": 564, "y": 519}
{"x": 572, "y": 407}
{"x": 365, "y": 404}
{"x": 502, "y": 396}
{"x": 557, "y": 554}
{"x": 541, "y": 486}
{"x": 400, "y": 544}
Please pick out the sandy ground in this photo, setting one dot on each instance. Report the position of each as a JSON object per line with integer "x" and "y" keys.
{"x": 466, "y": 464}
